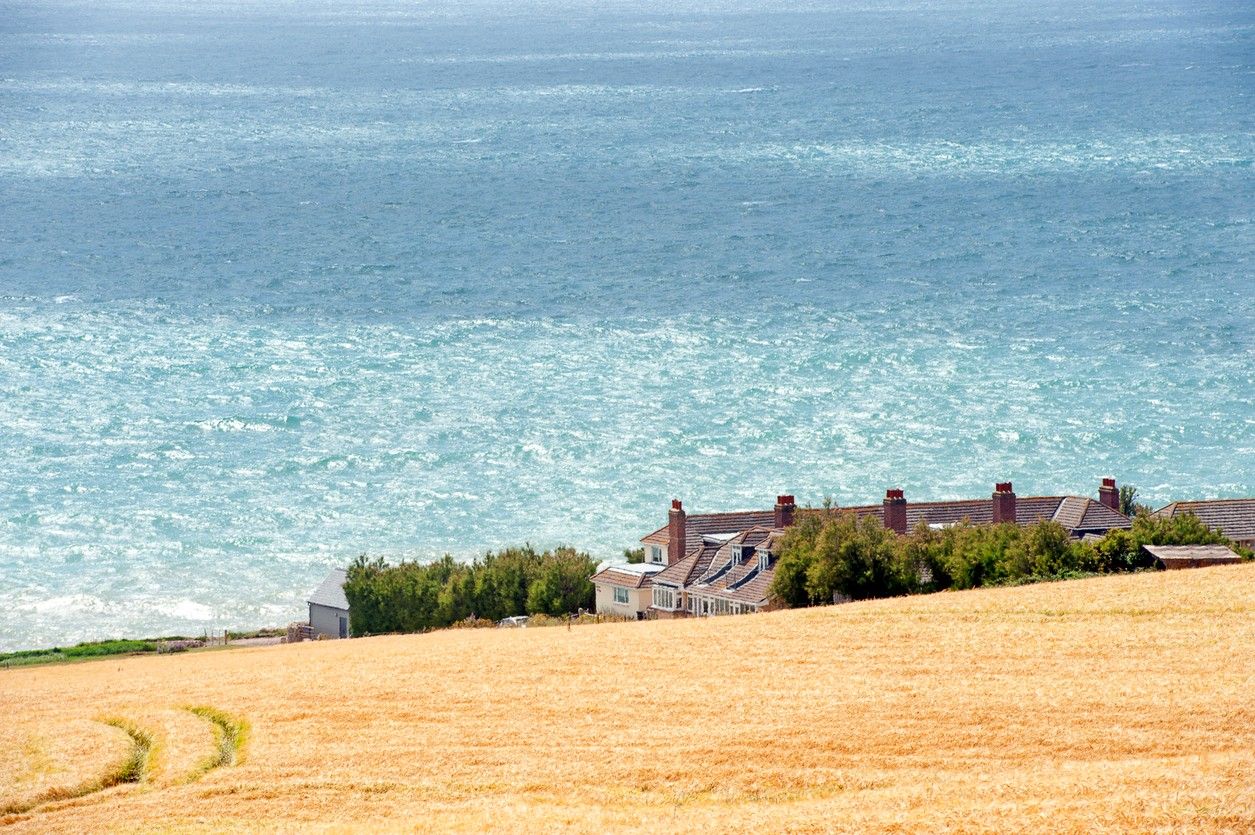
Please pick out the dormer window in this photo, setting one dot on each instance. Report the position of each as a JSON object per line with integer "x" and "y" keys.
{"x": 764, "y": 559}
{"x": 737, "y": 550}
{"x": 655, "y": 554}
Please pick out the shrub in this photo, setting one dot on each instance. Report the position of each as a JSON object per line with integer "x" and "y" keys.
{"x": 797, "y": 553}
{"x": 830, "y": 554}
{"x": 97, "y": 648}
{"x": 563, "y": 584}
{"x": 416, "y": 597}
{"x": 473, "y": 622}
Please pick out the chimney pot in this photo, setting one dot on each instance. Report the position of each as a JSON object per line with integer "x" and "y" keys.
{"x": 1004, "y": 503}
{"x": 677, "y": 532}
{"x": 784, "y": 511}
{"x": 895, "y": 510}
{"x": 1109, "y": 495}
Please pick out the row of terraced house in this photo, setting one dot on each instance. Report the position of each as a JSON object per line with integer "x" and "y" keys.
{"x": 724, "y": 563}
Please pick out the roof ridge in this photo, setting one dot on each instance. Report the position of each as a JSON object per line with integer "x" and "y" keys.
{"x": 728, "y": 513}
{"x": 1214, "y": 501}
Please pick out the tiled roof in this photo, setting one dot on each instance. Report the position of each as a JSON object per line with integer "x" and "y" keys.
{"x": 756, "y": 590}
{"x": 739, "y": 572}
{"x": 658, "y": 537}
{"x": 618, "y": 576}
{"x": 1071, "y": 511}
{"x": 1235, "y": 518}
{"x": 331, "y": 591}
{"x": 724, "y": 558}
{"x": 1076, "y": 513}
{"x": 687, "y": 570}
{"x": 749, "y": 564}
{"x": 698, "y": 525}
{"x": 678, "y": 573}
{"x": 1100, "y": 517}
{"x": 1168, "y": 553}
{"x": 772, "y": 539}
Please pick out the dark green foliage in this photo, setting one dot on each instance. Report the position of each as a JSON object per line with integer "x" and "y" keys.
{"x": 858, "y": 559}
{"x": 797, "y": 554}
{"x": 840, "y": 555}
{"x": 1184, "y": 529}
{"x": 416, "y": 597}
{"x": 563, "y": 584}
{"x": 95, "y": 648}
{"x": 634, "y": 554}
{"x": 1122, "y": 550}
{"x": 1119, "y": 551}
{"x": 827, "y": 555}
{"x": 90, "y": 649}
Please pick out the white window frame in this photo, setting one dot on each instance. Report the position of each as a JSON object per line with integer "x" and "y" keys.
{"x": 621, "y": 590}
{"x": 655, "y": 554}
{"x": 664, "y": 597}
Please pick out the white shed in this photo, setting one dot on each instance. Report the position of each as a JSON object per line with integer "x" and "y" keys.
{"x": 328, "y": 607}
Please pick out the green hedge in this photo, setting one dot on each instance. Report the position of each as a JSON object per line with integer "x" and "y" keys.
{"x": 838, "y": 554}
{"x": 90, "y": 649}
{"x": 416, "y": 597}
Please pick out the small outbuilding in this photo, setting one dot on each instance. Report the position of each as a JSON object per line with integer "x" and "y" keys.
{"x": 1191, "y": 556}
{"x": 329, "y": 608}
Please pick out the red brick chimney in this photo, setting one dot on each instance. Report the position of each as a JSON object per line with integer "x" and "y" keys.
{"x": 676, "y": 532}
{"x": 895, "y": 510}
{"x": 1004, "y": 502}
{"x": 784, "y": 511}
{"x": 1109, "y": 495}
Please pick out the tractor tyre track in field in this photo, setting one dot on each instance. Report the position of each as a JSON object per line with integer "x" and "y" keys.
{"x": 230, "y": 735}
{"x": 131, "y": 770}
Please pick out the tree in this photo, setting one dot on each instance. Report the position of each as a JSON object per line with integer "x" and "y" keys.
{"x": 415, "y": 597}
{"x": 829, "y": 555}
{"x": 563, "y": 585}
{"x": 634, "y": 554}
{"x": 796, "y": 555}
{"x": 1182, "y": 529}
{"x": 1129, "y": 505}
{"x": 361, "y": 587}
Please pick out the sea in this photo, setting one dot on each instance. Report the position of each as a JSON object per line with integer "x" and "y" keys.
{"x": 282, "y": 283}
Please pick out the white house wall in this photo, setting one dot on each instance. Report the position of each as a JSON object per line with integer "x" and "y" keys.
{"x": 638, "y": 601}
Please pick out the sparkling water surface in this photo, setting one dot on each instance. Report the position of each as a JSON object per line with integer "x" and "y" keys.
{"x": 281, "y": 282}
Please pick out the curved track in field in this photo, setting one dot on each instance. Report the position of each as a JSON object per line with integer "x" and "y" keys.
{"x": 164, "y": 748}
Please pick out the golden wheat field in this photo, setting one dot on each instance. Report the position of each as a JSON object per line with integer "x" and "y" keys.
{"x": 1116, "y": 704}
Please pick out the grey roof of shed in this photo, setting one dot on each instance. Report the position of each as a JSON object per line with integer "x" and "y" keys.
{"x": 1193, "y": 552}
{"x": 330, "y": 592}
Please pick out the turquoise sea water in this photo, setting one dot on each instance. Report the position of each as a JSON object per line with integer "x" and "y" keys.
{"x": 285, "y": 282}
